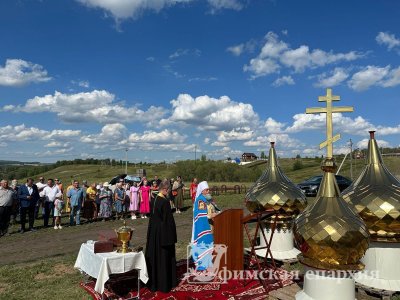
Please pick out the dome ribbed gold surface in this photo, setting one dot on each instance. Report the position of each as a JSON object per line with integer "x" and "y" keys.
{"x": 329, "y": 233}
{"x": 273, "y": 190}
{"x": 376, "y": 197}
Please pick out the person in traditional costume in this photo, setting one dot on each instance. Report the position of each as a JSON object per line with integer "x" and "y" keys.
{"x": 160, "y": 246}
{"x": 202, "y": 236}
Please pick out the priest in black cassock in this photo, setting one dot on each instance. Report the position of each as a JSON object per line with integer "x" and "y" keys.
{"x": 160, "y": 246}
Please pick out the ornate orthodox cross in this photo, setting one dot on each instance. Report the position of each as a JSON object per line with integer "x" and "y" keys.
{"x": 329, "y": 110}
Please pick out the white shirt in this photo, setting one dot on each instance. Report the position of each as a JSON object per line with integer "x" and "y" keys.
{"x": 6, "y": 197}
{"x": 39, "y": 186}
{"x": 51, "y": 193}
{"x": 30, "y": 189}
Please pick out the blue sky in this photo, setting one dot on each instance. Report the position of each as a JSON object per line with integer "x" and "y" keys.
{"x": 90, "y": 78}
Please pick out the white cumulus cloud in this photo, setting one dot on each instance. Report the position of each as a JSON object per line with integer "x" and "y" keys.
{"x": 387, "y": 39}
{"x": 392, "y": 79}
{"x": 276, "y": 54}
{"x": 237, "y": 50}
{"x": 64, "y": 134}
{"x": 217, "y": 5}
{"x": 236, "y": 134}
{"x": 375, "y": 76}
{"x": 81, "y": 83}
{"x": 18, "y": 72}
{"x": 211, "y": 113}
{"x": 283, "y": 81}
{"x": 363, "y": 144}
{"x": 334, "y": 78}
{"x": 280, "y": 139}
{"x": 219, "y": 144}
{"x": 152, "y": 137}
{"x": 55, "y": 144}
{"x": 367, "y": 77}
{"x": 342, "y": 123}
{"x": 273, "y": 126}
{"x": 111, "y": 135}
{"x": 123, "y": 9}
{"x": 95, "y": 106}
{"x": 22, "y": 133}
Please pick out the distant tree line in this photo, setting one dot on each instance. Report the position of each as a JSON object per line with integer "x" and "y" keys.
{"x": 94, "y": 161}
{"x": 16, "y": 170}
{"x": 216, "y": 171}
{"x": 15, "y": 162}
{"x": 23, "y": 171}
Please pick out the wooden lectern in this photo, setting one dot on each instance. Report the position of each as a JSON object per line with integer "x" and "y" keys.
{"x": 228, "y": 231}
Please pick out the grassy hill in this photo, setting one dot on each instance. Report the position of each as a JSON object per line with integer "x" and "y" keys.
{"x": 310, "y": 167}
{"x": 99, "y": 173}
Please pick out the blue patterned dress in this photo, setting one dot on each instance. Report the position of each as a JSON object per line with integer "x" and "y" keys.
{"x": 202, "y": 236}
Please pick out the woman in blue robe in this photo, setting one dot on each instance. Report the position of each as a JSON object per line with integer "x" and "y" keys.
{"x": 202, "y": 236}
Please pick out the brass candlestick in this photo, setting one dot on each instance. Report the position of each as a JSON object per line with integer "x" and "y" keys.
{"x": 124, "y": 234}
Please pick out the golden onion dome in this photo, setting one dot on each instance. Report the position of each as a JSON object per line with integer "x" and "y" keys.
{"x": 329, "y": 233}
{"x": 273, "y": 190}
{"x": 376, "y": 197}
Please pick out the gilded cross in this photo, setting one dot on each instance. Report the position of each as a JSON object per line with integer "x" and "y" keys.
{"x": 329, "y": 110}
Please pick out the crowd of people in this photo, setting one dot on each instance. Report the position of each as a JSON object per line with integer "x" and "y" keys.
{"x": 50, "y": 200}
{"x": 156, "y": 199}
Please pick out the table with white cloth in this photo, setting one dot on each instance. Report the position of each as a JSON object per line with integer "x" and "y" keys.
{"x": 101, "y": 265}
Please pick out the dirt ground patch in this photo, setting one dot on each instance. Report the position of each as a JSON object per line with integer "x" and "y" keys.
{"x": 59, "y": 270}
{"x": 3, "y": 287}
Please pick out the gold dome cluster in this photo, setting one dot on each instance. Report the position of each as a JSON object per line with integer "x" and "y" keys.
{"x": 329, "y": 233}
{"x": 273, "y": 190}
{"x": 376, "y": 197}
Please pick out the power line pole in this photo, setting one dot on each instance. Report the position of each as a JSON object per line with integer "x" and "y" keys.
{"x": 126, "y": 161}
{"x": 351, "y": 159}
{"x": 195, "y": 152}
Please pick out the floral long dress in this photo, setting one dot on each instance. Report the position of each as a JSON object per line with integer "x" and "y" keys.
{"x": 105, "y": 204}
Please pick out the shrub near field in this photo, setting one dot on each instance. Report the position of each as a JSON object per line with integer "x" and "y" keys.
{"x": 217, "y": 171}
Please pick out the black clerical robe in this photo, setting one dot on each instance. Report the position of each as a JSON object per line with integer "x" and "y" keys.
{"x": 160, "y": 246}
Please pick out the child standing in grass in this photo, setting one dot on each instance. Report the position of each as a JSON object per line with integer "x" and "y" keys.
{"x": 58, "y": 206}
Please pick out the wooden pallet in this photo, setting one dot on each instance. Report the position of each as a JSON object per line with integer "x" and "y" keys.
{"x": 370, "y": 293}
{"x": 286, "y": 293}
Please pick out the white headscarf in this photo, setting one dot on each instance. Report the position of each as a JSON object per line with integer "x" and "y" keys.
{"x": 201, "y": 187}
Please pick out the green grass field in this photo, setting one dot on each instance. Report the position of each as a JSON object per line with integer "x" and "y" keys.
{"x": 53, "y": 278}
